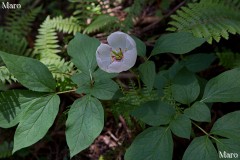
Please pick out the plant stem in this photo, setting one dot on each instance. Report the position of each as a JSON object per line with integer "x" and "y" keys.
{"x": 73, "y": 90}
{"x": 200, "y": 128}
{"x": 206, "y": 132}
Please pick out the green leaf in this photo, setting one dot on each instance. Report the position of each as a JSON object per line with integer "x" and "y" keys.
{"x": 228, "y": 126}
{"x": 13, "y": 104}
{"x": 199, "y": 111}
{"x": 181, "y": 126}
{"x": 174, "y": 69}
{"x": 201, "y": 148}
{"x": 223, "y": 88}
{"x": 30, "y": 72}
{"x": 36, "y": 121}
{"x": 154, "y": 143}
{"x": 82, "y": 49}
{"x": 226, "y": 147}
{"x": 103, "y": 89}
{"x": 161, "y": 79}
{"x": 199, "y": 62}
{"x": 81, "y": 79}
{"x": 154, "y": 113}
{"x": 185, "y": 88}
{"x": 102, "y": 75}
{"x": 147, "y": 74}
{"x": 177, "y": 43}
{"x": 85, "y": 122}
{"x": 141, "y": 47}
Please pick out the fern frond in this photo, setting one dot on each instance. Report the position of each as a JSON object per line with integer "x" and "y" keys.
{"x": 86, "y": 9}
{"x": 66, "y": 25}
{"x": 11, "y": 43}
{"x": 167, "y": 95}
{"x": 6, "y": 76}
{"x": 47, "y": 40}
{"x": 229, "y": 59}
{"x": 46, "y": 46}
{"x": 59, "y": 68}
{"x": 131, "y": 100}
{"x": 19, "y": 22}
{"x": 210, "y": 19}
{"x": 101, "y": 22}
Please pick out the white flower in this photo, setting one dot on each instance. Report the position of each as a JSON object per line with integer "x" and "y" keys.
{"x": 120, "y": 55}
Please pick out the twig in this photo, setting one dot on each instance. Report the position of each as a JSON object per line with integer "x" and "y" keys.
{"x": 125, "y": 126}
{"x": 165, "y": 16}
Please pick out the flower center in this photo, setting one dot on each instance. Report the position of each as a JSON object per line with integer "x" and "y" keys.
{"x": 117, "y": 55}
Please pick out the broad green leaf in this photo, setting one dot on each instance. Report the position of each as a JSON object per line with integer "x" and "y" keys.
{"x": 141, "y": 47}
{"x": 228, "y": 126}
{"x": 199, "y": 111}
{"x": 226, "y": 147}
{"x": 30, "y": 72}
{"x": 201, "y": 148}
{"x": 81, "y": 79}
{"x": 13, "y": 104}
{"x": 177, "y": 43}
{"x": 154, "y": 143}
{"x": 154, "y": 113}
{"x": 147, "y": 73}
{"x": 161, "y": 79}
{"x": 185, "y": 88}
{"x": 36, "y": 121}
{"x": 181, "y": 126}
{"x": 85, "y": 122}
{"x": 174, "y": 69}
{"x": 103, "y": 89}
{"x": 202, "y": 82}
{"x": 102, "y": 75}
{"x": 223, "y": 88}
{"x": 198, "y": 62}
{"x": 82, "y": 49}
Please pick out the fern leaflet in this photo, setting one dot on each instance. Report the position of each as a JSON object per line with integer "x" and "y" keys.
{"x": 19, "y": 22}
{"x": 229, "y": 59}
{"x": 11, "y": 43}
{"x": 101, "y": 22}
{"x": 46, "y": 46}
{"x": 210, "y": 19}
{"x": 67, "y": 25}
{"x": 6, "y": 76}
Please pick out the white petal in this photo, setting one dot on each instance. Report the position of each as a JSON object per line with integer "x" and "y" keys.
{"x": 131, "y": 41}
{"x": 104, "y": 52}
{"x": 115, "y": 67}
{"x": 103, "y": 64}
{"x": 118, "y": 40}
{"x": 103, "y": 56}
{"x": 129, "y": 58}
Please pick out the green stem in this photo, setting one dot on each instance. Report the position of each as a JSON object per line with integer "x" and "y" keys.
{"x": 201, "y": 129}
{"x": 73, "y": 90}
{"x": 209, "y": 135}
{"x": 148, "y": 57}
